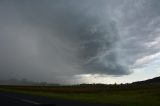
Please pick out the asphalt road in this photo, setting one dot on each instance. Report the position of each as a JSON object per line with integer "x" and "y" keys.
{"x": 16, "y": 99}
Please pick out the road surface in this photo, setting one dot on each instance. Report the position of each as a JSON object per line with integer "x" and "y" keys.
{"x": 16, "y": 99}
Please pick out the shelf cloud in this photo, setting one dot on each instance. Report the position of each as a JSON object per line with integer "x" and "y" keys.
{"x": 56, "y": 40}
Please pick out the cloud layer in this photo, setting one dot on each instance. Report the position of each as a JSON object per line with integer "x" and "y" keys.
{"x": 55, "y": 40}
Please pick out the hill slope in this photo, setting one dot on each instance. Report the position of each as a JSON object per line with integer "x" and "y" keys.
{"x": 153, "y": 80}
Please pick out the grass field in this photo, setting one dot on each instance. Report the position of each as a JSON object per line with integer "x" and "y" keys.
{"x": 123, "y": 95}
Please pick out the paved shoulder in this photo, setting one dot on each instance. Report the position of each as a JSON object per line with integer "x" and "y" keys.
{"x": 16, "y": 99}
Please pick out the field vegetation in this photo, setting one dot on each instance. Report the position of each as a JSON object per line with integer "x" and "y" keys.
{"x": 122, "y": 95}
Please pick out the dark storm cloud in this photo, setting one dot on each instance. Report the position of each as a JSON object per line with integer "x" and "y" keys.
{"x": 54, "y": 40}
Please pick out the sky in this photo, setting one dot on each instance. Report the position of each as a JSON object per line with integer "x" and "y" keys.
{"x": 80, "y": 41}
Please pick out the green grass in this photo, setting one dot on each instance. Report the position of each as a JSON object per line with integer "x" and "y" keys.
{"x": 124, "y": 96}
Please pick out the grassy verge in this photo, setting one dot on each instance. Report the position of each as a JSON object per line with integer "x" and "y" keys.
{"x": 129, "y": 97}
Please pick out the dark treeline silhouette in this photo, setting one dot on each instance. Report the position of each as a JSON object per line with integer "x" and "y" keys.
{"x": 145, "y": 83}
{"x": 154, "y": 84}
